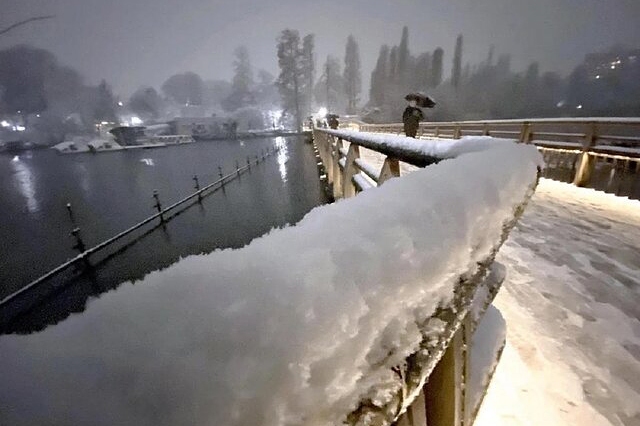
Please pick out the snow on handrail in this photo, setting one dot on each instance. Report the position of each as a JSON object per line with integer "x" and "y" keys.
{"x": 310, "y": 324}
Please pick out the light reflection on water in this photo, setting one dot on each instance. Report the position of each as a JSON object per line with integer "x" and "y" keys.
{"x": 25, "y": 183}
{"x": 283, "y": 157}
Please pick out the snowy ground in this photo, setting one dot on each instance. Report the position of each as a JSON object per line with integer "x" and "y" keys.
{"x": 572, "y": 306}
{"x": 571, "y": 301}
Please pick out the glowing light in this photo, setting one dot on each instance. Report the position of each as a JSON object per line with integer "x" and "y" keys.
{"x": 5, "y": 123}
{"x": 20, "y": 128}
{"x": 597, "y": 77}
{"x": 104, "y": 122}
{"x": 120, "y": 103}
{"x": 613, "y": 67}
{"x": 322, "y": 112}
{"x": 283, "y": 157}
{"x": 24, "y": 181}
{"x": 38, "y": 115}
{"x": 560, "y": 104}
{"x": 579, "y": 107}
{"x": 136, "y": 121}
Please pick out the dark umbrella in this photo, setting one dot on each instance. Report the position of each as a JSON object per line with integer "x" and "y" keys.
{"x": 422, "y": 100}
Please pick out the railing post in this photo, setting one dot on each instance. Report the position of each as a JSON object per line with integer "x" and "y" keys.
{"x": 390, "y": 169}
{"x": 444, "y": 390}
{"x": 587, "y": 162}
{"x": 457, "y": 132}
{"x": 525, "y": 133}
{"x": 348, "y": 187}
{"x": 328, "y": 155}
{"x": 337, "y": 175}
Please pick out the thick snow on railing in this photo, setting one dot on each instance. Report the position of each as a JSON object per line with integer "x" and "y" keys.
{"x": 298, "y": 327}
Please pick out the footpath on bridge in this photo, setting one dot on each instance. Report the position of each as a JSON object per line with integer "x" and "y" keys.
{"x": 571, "y": 301}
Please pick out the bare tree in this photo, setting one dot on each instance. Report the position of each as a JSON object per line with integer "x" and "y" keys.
{"x": 26, "y": 21}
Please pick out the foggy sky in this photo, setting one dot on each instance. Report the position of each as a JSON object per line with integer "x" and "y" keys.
{"x": 142, "y": 42}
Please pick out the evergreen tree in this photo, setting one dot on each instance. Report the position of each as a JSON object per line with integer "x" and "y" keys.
{"x": 105, "y": 106}
{"x": 187, "y": 88}
{"x": 422, "y": 71}
{"x": 352, "y": 77}
{"x": 457, "y": 63}
{"x": 492, "y": 50}
{"x": 392, "y": 71}
{"x": 403, "y": 56}
{"x": 308, "y": 69}
{"x": 290, "y": 82}
{"x": 330, "y": 88}
{"x": 146, "y": 102}
{"x": 436, "y": 67}
{"x": 379, "y": 78}
{"x": 243, "y": 77}
{"x": 242, "y": 84}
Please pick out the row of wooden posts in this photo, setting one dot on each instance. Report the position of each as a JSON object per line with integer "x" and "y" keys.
{"x": 590, "y": 140}
{"x": 162, "y": 215}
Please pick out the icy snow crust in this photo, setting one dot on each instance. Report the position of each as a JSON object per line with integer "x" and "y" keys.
{"x": 295, "y": 328}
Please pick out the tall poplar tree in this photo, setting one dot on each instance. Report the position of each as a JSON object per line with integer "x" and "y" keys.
{"x": 379, "y": 78}
{"x": 352, "y": 77}
{"x": 290, "y": 81}
{"x": 436, "y": 67}
{"x": 456, "y": 70}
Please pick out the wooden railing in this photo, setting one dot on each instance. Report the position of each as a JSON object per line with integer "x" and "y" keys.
{"x": 608, "y": 146}
{"x": 443, "y": 361}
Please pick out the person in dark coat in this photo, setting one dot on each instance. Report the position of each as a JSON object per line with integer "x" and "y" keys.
{"x": 332, "y": 121}
{"x": 411, "y": 118}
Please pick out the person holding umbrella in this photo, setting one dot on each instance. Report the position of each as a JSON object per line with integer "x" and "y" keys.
{"x": 412, "y": 114}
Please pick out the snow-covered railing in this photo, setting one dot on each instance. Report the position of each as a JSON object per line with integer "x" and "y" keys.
{"x": 580, "y": 143}
{"x": 448, "y": 356}
{"x": 338, "y": 319}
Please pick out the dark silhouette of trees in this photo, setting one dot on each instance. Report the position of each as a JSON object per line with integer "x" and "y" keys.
{"x": 146, "y": 103}
{"x": 404, "y": 56}
{"x": 352, "y": 77}
{"x": 436, "y": 67}
{"x": 308, "y": 69}
{"x": 184, "y": 89}
{"x": 379, "y": 77}
{"x": 456, "y": 70}
{"x": 242, "y": 85}
{"x": 330, "y": 87}
{"x": 291, "y": 81}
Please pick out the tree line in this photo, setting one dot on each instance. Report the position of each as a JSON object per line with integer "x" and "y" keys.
{"x": 605, "y": 84}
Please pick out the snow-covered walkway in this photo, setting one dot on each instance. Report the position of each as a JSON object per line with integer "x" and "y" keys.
{"x": 572, "y": 306}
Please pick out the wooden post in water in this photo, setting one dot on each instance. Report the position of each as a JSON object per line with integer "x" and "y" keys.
{"x": 79, "y": 245}
{"x": 197, "y": 187}
{"x": 71, "y": 216}
{"x": 158, "y": 205}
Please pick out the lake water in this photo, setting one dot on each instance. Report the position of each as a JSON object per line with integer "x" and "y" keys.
{"x": 111, "y": 191}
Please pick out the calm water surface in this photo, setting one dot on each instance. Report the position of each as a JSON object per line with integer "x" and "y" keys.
{"x": 111, "y": 191}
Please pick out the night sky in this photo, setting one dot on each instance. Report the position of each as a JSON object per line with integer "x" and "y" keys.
{"x": 142, "y": 42}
